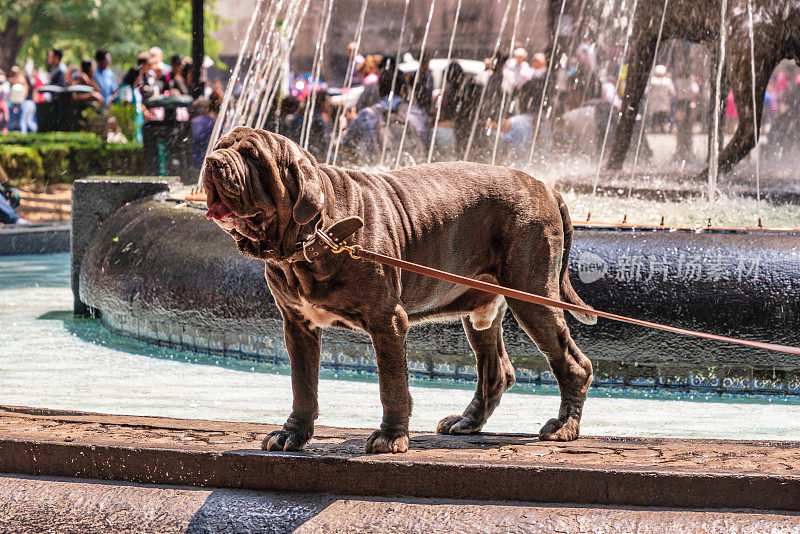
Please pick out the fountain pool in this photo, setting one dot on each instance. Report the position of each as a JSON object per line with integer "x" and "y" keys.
{"x": 50, "y": 358}
{"x": 727, "y": 211}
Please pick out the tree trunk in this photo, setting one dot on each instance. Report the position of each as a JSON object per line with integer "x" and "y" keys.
{"x": 10, "y": 44}
{"x": 198, "y": 48}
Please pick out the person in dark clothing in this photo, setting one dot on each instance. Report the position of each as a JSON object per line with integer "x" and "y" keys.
{"x": 494, "y": 92}
{"x": 202, "y": 127}
{"x": 177, "y": 78}
{"x": 56, "y": 69}
{"x": 424, "y": 94}
{"x": 134, "y": 77}
{"x": 363, "y": 141}
{"x": 7, "y": 213}
{"x": 489, "y": 83}
{"x": 368, "y": 97}
{"x": 9, "y": 199}
{"x": 289, "y": 111}
{"x": 319, "y": 130}
{"x": 454, "y": 81}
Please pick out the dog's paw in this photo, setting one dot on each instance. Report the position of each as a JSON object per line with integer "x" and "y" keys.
{"x": 383, "y": 441}
{"x": 458, "y": 424}
{"x": 557, "y": 430}
{"x": 283, "y": 440}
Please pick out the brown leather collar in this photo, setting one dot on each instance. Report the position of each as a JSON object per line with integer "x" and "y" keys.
{"x": 325, "y": 241}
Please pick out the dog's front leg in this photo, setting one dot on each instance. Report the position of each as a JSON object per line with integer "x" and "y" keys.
{"x": 303, "y": 345}
{"x": 388, "y": 335}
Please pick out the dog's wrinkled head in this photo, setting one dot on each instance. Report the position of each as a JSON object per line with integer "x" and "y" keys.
{"x": 261, "y": 188}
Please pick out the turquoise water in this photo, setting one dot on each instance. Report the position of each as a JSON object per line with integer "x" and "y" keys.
{"x": 48, "y": 358}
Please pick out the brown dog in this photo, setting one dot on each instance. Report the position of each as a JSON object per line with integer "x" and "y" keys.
{"x": 490, "y": 223}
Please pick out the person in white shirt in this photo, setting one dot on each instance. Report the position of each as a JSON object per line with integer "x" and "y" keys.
{"x": 660, "y": 96}
{"x": 517, "y": 71}
{"x": 539, "y": 65}
{"x": 157, "y": 59}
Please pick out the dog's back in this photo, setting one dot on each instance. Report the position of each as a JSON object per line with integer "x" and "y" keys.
{"x": 430, "y": 196}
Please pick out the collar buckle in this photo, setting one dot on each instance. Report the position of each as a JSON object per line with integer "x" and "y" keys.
{"x": 328, "y": 240}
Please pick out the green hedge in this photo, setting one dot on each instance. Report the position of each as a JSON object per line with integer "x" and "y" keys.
{"x": 122, "y": 159}
{"x": 71, "y": 138}
{"x": 55, "y": 160}
{"x": 21, "y": 162}
{"x": 66, "y": 156}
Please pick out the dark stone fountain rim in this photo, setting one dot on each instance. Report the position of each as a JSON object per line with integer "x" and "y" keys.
{"x": 611, "y": 227}
{"x": 129, "y": 304}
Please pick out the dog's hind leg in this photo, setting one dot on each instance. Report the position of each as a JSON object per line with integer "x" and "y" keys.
{"x": 572, "y": 369}
{"x": 495, "y": 376}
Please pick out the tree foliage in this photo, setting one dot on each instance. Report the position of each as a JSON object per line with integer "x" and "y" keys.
{"x": 28, "y": 28}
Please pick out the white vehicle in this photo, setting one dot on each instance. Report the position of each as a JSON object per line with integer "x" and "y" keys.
{"x": 438, "y": 66}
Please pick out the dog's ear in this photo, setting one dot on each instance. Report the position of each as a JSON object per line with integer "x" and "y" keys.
{"x": 287, "y": 169}
{"x": 310, "y": 199}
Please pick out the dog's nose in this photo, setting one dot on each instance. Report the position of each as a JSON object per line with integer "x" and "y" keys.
{"x": 216, "y": 161}
{"x": 218, "y": 211}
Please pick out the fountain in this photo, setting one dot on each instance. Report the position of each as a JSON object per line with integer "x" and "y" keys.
{"x": 704, "y": 24}
{"x": 669, "y": 261}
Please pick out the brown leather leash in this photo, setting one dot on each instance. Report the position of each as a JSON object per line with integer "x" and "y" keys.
{"x": 357, "y": 252}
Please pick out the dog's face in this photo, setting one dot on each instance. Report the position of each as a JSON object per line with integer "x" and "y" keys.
{"x": 261, "y": 188}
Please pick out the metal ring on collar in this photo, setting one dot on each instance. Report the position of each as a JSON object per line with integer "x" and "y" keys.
{"x": 325, "y": 238}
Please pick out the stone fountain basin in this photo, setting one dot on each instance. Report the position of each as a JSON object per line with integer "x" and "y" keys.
{"x": 156, "y": 269}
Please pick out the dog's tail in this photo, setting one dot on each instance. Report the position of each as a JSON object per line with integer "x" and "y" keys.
{"x": 568, "y": 293}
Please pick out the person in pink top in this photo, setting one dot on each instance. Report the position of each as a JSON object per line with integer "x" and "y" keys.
{"x": 781, "y": 84}
{"x": 731, "y": 115}
{"x": 730, "y": 109}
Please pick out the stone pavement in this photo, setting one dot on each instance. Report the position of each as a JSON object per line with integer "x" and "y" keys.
{"x": 591, "y": 470}
{"x": 29, "y": 504}
{"x": 45, "y": 204}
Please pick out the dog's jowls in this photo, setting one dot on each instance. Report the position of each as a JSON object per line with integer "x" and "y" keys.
{"x": 490, "y": 223}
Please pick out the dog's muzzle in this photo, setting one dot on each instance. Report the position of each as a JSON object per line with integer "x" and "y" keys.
{"x": 218, "y": 211}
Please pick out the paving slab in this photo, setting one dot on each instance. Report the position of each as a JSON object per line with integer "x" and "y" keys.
{"x": 37, "y": 504}
{"x": 592, "y": 470}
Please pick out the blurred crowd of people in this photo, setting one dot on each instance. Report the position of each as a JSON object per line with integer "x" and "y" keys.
{"x": 96, "y": 83}
{"x": 388, "y": 105}
{"x": 467, "y": 109}
{"x": 492, "y": 113}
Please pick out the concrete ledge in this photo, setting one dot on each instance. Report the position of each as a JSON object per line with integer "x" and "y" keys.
{"x": 34, "y": 239}
{"x": 36, "y": 504}
{"x": 597, "y": 471}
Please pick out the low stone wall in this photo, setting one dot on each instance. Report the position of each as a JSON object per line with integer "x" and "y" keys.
{"x": 157, "y": 270}
{"x": 34, "y": 239}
